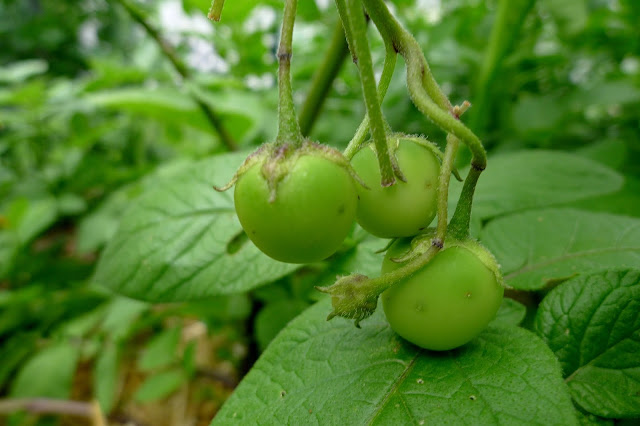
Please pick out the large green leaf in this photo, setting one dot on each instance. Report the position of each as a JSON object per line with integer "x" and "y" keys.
{"x": 241, "y": 112}
{"x": 534, "y": 179}
{"x": 319, "y": 372}
{"x": 538, "y": 248}
{"x": 592, "y": 323}
{"x": 173, "y": 243}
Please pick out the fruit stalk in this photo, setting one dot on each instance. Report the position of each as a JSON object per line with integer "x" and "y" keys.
{"x": 354, "y": 19}
{"x": 288, "y": 127}
{"x": 388, "y": 68}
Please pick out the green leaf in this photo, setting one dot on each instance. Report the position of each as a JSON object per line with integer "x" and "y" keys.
{"x": 48, "y": 374}
{"x": 120, "y": 317}
{"x": 161, "y": 351}
{"x": 164, "y": 104}
{"x": 160, "y": 385}
{"x": 543, "y": 247}
{"x": 537, "y": 113}
{"x": 626, "y": 201}
{"x": 105, "y": 377}
{"x": 13, "y": 351}
{"x": 533, "y": 179}
{"x": 511, "y": 313}
{"x": 173, "y": 106}
{"x": 592, "y": 323}
{"x": 27, "y": 218}
{"x": 570, "y": 15}
{"x": 274, "y": 317}
{"x": 323, "y": 372}
{"x": 172, "y": 244}
{"x": 20, "y": 71}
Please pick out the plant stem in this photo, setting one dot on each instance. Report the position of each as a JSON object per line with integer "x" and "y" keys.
{"x": 506, "y": 27}
{"x": 170, "y": 53}
{"x": 54, "y": 406}
{"x": 323, "y": 78}
{"x": 443, "y": 189}
{"x": 216, "y": 10}
{"x": 388, "y": 68}
{"x": 288, "y": 127}
{"x": 378, "y": 285}
{"x": 423, "y": 89}
{"x": 348, "y": 32}
{"x": 355, "y": 20}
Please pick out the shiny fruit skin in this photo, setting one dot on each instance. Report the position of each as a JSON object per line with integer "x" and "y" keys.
{"x": 405, "y": 208}
{"x": 445, "y": 304}
{"x": 312, "y": 213}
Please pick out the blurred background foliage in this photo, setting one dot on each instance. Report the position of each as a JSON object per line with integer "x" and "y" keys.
{"x": 92, "y": 113}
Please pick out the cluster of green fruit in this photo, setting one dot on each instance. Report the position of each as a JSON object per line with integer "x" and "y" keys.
{"x": 297, "y": 204}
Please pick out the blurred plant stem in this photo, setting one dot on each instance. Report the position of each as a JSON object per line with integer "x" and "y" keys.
{"x": 323, "y": 78}
{"x": 168, "y": 50}
{"x": 90, "y": 410}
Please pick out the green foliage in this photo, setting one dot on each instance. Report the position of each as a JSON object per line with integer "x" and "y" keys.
{"x": 556, "y": 244}
{"x": 592, "y": 323}
{"x": 119, "y": 260}
{"x": 506, "y": 375}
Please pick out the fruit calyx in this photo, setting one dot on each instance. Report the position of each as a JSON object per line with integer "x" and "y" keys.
{"x": 277, "y": 159}
{"x": 421, "y": 243}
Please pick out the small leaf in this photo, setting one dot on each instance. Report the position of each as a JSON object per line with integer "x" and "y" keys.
{"x": 19, "y": 71}
{"x": 160, "y": 386}
{"x": 49, "y": 373}
{"x": 161, "y": 351}
{"x": 172, "y": 244}
{"x": 105, "y": 377}
{"x": 319, "y": 372}
{"x": 592, "y": 323}
{"x": 539, "y": 248}
{"x": 511, "y": 313}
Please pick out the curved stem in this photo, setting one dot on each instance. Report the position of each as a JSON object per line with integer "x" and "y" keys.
{"x": 216, "y": 10}
{"x": 375, "y": 286}
{"x": 423, "y": 89}
{"x": 170, "y": 53}
{"x": 355, "y": 20}
{"x": 323, "y": 78}
{"x": 288, "y": 128}
{"x": 388, "y": 68}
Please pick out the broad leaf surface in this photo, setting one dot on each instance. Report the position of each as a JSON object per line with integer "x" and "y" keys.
{"x": 538, "y": 248}
{"x": 533, "y": 179}
{"x": 510, "y": 313}
{"x": 319, "y": 372}
{"x": 592, "y": 323}
{"x": 173, "y": 243}
{"x": 49, "y": 373}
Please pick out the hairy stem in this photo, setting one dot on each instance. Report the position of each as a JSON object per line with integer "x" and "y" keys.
{"x": 443, "y": 189}
{"x": 288, "y": 127}
{"x": 355, "y": 20}
{"x": 323, "y": 78}
{"x": 170, "y": 53}
{"x": 423, "y": 89}
{"x": 216, "y": 10}
{"x": 388, "y": 68}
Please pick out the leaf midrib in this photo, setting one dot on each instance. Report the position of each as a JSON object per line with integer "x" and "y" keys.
{"x": 393, "y": 388}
